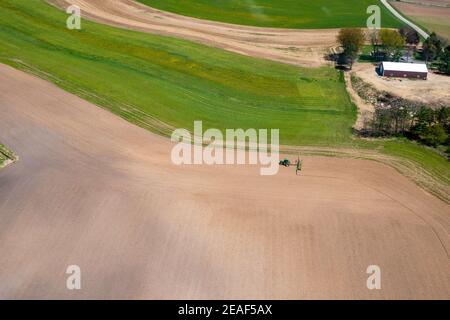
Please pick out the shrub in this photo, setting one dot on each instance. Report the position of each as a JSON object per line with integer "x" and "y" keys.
{"x": 434, "y": 135}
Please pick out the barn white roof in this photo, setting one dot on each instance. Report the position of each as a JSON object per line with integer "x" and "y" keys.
{"x": 401, "y": 66}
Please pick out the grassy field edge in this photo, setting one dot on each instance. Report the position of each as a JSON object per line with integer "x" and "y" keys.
{"x": 428, "y": 169}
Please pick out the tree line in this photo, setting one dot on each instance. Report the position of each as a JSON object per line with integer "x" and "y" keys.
{"x": 435, "y": 51}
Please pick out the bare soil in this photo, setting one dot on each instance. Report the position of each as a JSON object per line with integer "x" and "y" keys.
{"x": 93, "y": 190}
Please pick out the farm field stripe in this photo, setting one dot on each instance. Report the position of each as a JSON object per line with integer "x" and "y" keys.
{"x": 170, "y": 83}
{"x": 402, "y": 18}
{"x": 203, "y": 232}
{"x": 300, "y": 47}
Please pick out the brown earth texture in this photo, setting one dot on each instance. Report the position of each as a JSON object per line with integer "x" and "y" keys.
{"x": 300, "y": 47}
{"x": 92, "y": 190}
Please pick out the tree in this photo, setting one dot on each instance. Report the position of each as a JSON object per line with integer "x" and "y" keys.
{"x": 393, "y": 43}
{"x": 412, "y": 39}
{"x": 410, "y": 35}
{"x": 424, "y": 119}
{"x": 432, "y": 47}
{"x": 351, "y": 41}
{"x": 382, "y": 120}
{"x": 443, "y": 116}
{"x": 444, "y": 65}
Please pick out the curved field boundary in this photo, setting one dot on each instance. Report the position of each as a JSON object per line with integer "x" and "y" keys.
{"x": 426, "y": 3}
{"x": 6, "y": 156}
{"x": 300, "y": 47}
{"x": 402, "y": 18}
{"x": 215, "y": 225}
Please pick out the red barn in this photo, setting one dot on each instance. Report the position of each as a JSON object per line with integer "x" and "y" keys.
{"x": 404, "y": 70}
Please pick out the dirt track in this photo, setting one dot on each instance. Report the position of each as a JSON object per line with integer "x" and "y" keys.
{"x": 301, "y": 47}
{"x": 365, "y": 110}
{"x": 93, "y": 190}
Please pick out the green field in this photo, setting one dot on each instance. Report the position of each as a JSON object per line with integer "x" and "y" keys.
{"x": 304, "y": 14}
{"x": 2, "y": 156}
{"x": 147, "y": 78}
{"x": 160, "y": 83}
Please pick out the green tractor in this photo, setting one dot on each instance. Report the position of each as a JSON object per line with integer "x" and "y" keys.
{"x": 285, "y": 163}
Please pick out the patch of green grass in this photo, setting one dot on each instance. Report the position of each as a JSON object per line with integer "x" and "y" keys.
{"x": 425, "y": 166}
{"x": 147, "y": 78}
{"x": 161, "y": 82}
{"x": 302, "y": 14}
{"x": 5, "y": 154}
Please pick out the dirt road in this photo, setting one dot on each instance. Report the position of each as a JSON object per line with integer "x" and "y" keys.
{"x": 90, "y": 189}
{"x": 365, "y": 110}
{"x": 433, "y": 91}
{"x": 300, "y": 47}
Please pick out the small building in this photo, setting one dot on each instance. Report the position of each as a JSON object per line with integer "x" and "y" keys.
{"x": 403, "y": 70}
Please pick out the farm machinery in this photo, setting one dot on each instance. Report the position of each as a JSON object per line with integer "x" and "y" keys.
{"x": 287, "y": 163}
